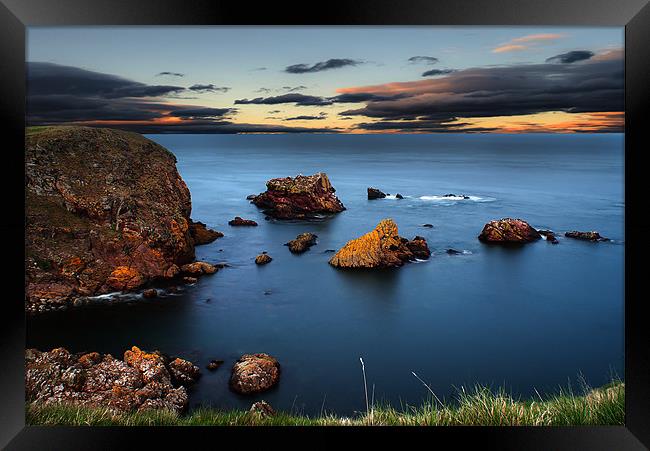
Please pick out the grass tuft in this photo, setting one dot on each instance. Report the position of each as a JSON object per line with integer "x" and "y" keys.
{"x": 478, "y": 406}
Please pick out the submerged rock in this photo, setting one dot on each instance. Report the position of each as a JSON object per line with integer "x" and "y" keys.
{"x": 263, "y": 259}
{"x": 428, "y": 226}
{"x": 150, "y": 293}
{"x": 508, "y": 230}
{"x": 214, "y": 364}
{"x": 106, "y": 210}
{"x": 254, "y": 373}
{"x": 142, "y": 381}
{"x": 302, "y": 242}
{"x": 238, "y": 221}
{"x": 374, "y": 193}
{"x": 586, "y": 236}
{"x": 201, "y": 234}
{"x": 380, "y": 248}
{"x": 453, "y": 252}
{"x": 299, "y": 197}
{"x": 399, "y": 196}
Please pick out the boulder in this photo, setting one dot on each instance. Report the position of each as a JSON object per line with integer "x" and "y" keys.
{"x": 141, "y": 382}
{"x": 374, "y": 193}
{"x": 105, "y": 210}
{"x": 262, "y": 409}
{"x": 508, "y": 230}
{"x": 586, "y": 236}
{"x": 201, "y": 234}
{"x": 238, "y": 221}
{"x": 150, "y": 293}
{"x": 214, "y": 364}
{"x": 183, "y": 371}
{"x": 302, "y": 242}
{"x": 254, "y": 373}
{"x": 263, "y": 259}
{"x": 380, "y": 248}
{"x": 399, "y": 196}
{"x": 198, "y": 268}
{"x": 428, "y": 226}
{"x": 299, "y": 197}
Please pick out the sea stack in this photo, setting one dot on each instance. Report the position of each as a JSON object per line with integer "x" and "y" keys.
{"x": 380, "y": 248}
{"x": 300, "y": 197}
{"x": 106, "y": 210}
{"x": 508, "y": 230}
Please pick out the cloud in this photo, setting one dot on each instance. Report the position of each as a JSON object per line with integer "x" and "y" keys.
{"x": 208, "y": 88}
{"x": 423, "y": 60}
{"x": 525, "y": 42}
{"x": 171, "y": 74}
{"x": 297, "y": 99}
{"x": 571, "y": 57}
{"x": 294, "y": 88}
{"x": 433, "y": 72}
{"x": 202, "y": 113}
{"x": 307, "y": 118}
{"x": 335, "y": 63}
{"x": 595, "y": 86}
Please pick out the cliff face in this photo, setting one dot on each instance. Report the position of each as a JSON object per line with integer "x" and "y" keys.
{"x": 106, "y": 210}
{"x": 380, "y": 248}
{"x": 299, "y": 197}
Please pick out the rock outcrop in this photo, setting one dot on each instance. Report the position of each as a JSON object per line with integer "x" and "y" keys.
{"x": 106, "y": 210}
{"x": 299, "y": 197}
{"x": 254, "y": 373}
{"x": 508, "y": 230}
{"x": 142, "y": 381}
{"x": 302, "y": 242}
{"x": 239, "y": 221}
{"x": 263, "y": 259}
{"x": 201, "y": 234}
{"x": 380, "y": 248}
{"x": 374, "y": 193}
{"x": 549, "y": 235}
{"x": 198, "y": 269}
{"x": 586, "y": 236}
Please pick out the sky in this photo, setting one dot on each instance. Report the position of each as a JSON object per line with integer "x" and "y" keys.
{"x": 328, "y": 79}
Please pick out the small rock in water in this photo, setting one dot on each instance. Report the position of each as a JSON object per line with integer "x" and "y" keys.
{"x": 267, "y": 292}
{"x": 549, "y": 235}
{"x": 374, "y": 193}
{"x": 453, "y": 252}
{"x": 302, "y": 242}
{"x": 263, "y": 259}
{"x": 254, "y": 373}
{"x": 399, "y": 196}
{"x": 239, "y": 221}
{"x": 190, "y": 280}
{"x": 586, "y": 236}
{"x": 150, "y": 293}
{"x": 263, "y": 409}
{"x": 251, "y": 196}
{"x": 428, "y": 226}
{"x": 214, "y": 364}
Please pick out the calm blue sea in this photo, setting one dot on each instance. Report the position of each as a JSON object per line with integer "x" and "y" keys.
{"x": 530, "y": 318}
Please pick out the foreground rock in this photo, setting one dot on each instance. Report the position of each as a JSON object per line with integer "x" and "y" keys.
{"x": 238, "y": 221}
{"x": 374, "y": 193}
{"x": 508, "y": 230}
{"x": 299, "y": 197}
{"x": 198, "y": 269}
{"x": 106, "y": 210}
{"x": 263, "y": 259}
{"x": 381, "y": 248}
{"x": 254, "y": 373}
{"x": 201, "y": 234}
{"x": 142, "y": 381}
{"x": 262, "y": 409}
{"x": 586, "y": 236}
{"x": 302, "y": 242}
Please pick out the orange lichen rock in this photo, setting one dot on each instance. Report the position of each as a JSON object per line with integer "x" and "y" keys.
{"x": 508, "y": 230}
{"x": 381, "y": 248}
{"x": 125, "y": 278}
{"x": 254, "y": 373}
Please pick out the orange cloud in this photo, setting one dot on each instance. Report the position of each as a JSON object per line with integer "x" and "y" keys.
{"x": 525, "y": 42}
{"x": 550, "y": 122}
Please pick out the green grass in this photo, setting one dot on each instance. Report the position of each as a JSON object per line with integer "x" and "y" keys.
{"x": 480, "y": 406}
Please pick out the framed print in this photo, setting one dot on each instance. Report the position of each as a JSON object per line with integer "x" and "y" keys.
{"x": 380, "y": 216}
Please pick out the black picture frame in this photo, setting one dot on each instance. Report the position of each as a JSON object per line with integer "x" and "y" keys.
{"x": 16, "y": 15}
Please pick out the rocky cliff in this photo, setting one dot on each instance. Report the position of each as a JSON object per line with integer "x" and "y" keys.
{"x": 106, "y": 210}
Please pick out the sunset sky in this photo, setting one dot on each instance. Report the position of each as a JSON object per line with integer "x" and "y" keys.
{"x": 328, "y": 79}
